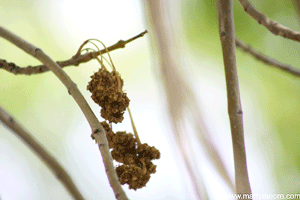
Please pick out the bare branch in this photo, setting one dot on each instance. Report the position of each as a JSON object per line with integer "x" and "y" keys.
{"x": 59, "y": 172}
{"x": 271, "y": 25}
{"x": 269, "y": 61}
{"x": 96, "y": 127}
{"x": 74, "y": 61}
{"x": 227, "y": 35}
{"x": 182, "y": 100}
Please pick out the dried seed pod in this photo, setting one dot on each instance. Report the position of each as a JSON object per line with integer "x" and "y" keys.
{"x": 109, "y": 133}
{"x": 123, "y": 144}
{"x": 132, "y": 175}
{"x": 106, "y": 89}
{"x": 145, "y": 150}
{"x": 125, "y": 158}
{"x": 137, "y": 166}
{"x": 124, "y": 139}
{"x": 114, "y": 105}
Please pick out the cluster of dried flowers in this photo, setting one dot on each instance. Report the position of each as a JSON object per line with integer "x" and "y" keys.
{"x": 136, "y": 159}
{"x": 106, "y": 88}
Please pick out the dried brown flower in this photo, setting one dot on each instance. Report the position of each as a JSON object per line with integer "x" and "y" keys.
{"x": 145, "y": 150}
{"x": 137, "y": 166}
{"x": 106, "y": 89}
{"x": 133, "y": 175}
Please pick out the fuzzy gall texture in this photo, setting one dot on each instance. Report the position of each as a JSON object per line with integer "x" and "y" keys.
{"x": 137, "y": 165}
{"x": 108, "y": 95}
{"x": 144, "y": 150}
{"x": 133, "y": 175}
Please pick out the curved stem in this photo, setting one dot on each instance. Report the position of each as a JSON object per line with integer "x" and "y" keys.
{"x": 273, "y": 26}
{"x": 268, "y": 60}
{"x": 60, "y": 173}
{"x": 97, "y": 129}
{"x": 114, "y": 68}
{"x": 227, "y": 36}
{"x": 74, "y": 61}
{"x": 134, "y": 129}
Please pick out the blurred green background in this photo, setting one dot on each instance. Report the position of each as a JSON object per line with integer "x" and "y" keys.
{"x": 270, "y": 98}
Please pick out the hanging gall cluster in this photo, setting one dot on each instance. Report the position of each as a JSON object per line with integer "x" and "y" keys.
{"x": 106, "y": 89}
{"x": 136, "y": 159}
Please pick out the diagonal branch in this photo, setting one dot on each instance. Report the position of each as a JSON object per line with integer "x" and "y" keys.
{"x": 74, "y": 61}
{"x": 269, "y": 61}
{"x": 271, "y": 25}
{"x": 60, "y": 173}
{"x": 97, "y": 129}
{"x": 227, "y": 36}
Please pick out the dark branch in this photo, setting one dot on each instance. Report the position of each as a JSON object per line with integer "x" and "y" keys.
{"x": 74, "y": 61}
{"x": 273, "y": 26}
{"x": 51, "y": 162}
{"x": 269, "y": 61}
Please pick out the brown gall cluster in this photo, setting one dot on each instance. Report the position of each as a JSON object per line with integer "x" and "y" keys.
{"x": 106, "y": 89}
{"x": 136, "y": 159}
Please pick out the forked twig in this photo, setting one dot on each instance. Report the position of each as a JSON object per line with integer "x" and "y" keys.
{"x": 273, "y": 26}
{"x": 97, "y": 129}
{"x": 227, "y": 36}
{"x": 74, "y": 61}
{"x": 269, "y": 61}
{"x": 60, "y": 173}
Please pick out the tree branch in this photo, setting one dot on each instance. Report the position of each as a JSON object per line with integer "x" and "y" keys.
{"x": 74, "y": 61}
{"x": 227, "y": 35}
{"x": 96, "y": 127}
{"x": 269, "y": 61}
{"x": 271, "y": 25}
{"x": 60, "y": 173}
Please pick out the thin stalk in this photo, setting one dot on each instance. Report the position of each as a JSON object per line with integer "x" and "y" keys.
{"x": 56, "y": 168}
{"x": 134, "y": 129}
{"x": 227, "y": 35}
{"x": 97, "y": 129}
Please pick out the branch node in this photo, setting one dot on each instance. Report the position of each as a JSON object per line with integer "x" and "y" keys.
{"x": 121, "y": 43}
{"x": 69, "y": 91}
{"x": 101, "y": 145}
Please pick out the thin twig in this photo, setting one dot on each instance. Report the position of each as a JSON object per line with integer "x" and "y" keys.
{"x": 97, "y": 129}
{"x": 74, "y": 61}
{"x": 59, "y": 172}
{"x": 271, "y": 25}
{"x": 227, "y": 36}
{"x": 269, "y": 61}
{"x": 181, "y": 99}
{"x": 134, "y": 129}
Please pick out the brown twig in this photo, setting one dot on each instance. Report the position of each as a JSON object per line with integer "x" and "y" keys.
{"x": 271, "y": 25}
{"x": 269, "y": 61}
{"x": 181, "y": 100}
{"x": 227, "y": 36}
{"x": 97, "y": 129}
{"x": 134, "y": 128}
{"x": 74, "y": 61}
{"x": 60, "y": 173}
